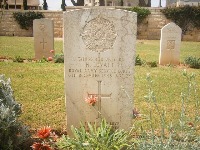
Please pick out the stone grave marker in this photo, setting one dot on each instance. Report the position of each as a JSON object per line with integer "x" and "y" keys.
{"x": 99, "y": 49}
{"x": 43, "y": 32}
{"x": 170, "y": 44}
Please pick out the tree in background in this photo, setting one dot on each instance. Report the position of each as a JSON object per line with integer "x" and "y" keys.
{"x": 142, "y": 3}
{"x": 160, "y": 3}
{"x": 121, "y": 3}
{"x": 4, "y": 4}
{"x": 25, "y": 4}
{"x": 1, "y": 2}
{"x": 102, "y": 2}
{"x": 63, "y": 5}
{"x": 45, "y": 6}
{"x": 149, "y": 3}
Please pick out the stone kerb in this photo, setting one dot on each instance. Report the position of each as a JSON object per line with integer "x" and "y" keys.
{"x": 99, "y": 47}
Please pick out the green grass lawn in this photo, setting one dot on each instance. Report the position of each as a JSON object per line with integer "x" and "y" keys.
{"x": 39, "y": 87}
{"x": 22, "y": 46}
{"x": 149, "y": 50}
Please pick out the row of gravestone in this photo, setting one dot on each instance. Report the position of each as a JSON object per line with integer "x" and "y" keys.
{"x": 169, "y": 43}
{"x": 99, "y": 49}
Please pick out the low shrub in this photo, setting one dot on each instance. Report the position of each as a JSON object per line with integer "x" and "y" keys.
{"x": 12, "y": 132}
{"x": 183, "y": 135}
{"x": 101, "y": 137}
{"x": 138, "y": 61}
{"x": 153, "y": 64}
{"x": 193, "y": 62}
{"x": 18, "y": 59}
{"x": 25, "y": 19}
{"x": 142, "y": 13}
{"x": 187, "y": 17}
{"x": 59, "y": 58}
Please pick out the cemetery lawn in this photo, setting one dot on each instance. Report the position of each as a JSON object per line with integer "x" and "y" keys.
{"x": 39, "y": 87}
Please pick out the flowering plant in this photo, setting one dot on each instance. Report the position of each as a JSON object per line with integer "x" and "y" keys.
{"x": 91, "y": 100}
{"x": 52, "y": 51}
{"x": 48, "y": 139}
{"x": 41, "y": 146}
{"x": 44, "y": 132}
{"x": 51, "y": 58}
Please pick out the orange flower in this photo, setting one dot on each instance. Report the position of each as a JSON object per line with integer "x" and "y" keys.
{"x": 39, "y": 146}
{"x": 91, "y": 100}
{"x": 44, "y": 132}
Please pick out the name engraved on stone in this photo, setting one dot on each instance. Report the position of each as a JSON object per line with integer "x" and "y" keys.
{"x": 98, "y": 67}
{"x": 99, "y": 34}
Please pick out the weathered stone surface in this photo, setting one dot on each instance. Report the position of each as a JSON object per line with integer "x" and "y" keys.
{"x": 99, "y": 48}
{"x": 170, "y": 44}
{"x": 43, "y": 32}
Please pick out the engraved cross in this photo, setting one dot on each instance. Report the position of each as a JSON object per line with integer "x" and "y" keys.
{"x": 99, "y": 96}
{"x": 43, "y": 42}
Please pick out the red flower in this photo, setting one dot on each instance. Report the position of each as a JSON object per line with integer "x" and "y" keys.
{"x": 190, "y": 124}
{"x": 39, "y": 146}
{"x": 91, "y": 100}
{"x": 44, "y": 132}
{"x": 52, "y": 51}
{"x": 49, "y": 58}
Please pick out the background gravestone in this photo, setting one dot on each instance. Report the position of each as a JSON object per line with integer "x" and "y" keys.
{"x": 170, "y": 44}
{"x": 99, "y": 48}
{"x": 43, "y": 32}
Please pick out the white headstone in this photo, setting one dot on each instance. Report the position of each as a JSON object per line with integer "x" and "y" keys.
{"x": 170, "y": 44}
{"x": 99, "y": 48}
{"x": 43, "y": 32}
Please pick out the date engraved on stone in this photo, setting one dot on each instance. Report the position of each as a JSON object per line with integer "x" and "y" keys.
{"x": 99, "y": 35}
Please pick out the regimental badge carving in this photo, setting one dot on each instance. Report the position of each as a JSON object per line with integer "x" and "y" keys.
{"x": 170, "y": 44}
{"x": 42, "y": 27}
{"x": 99, "y": 35}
